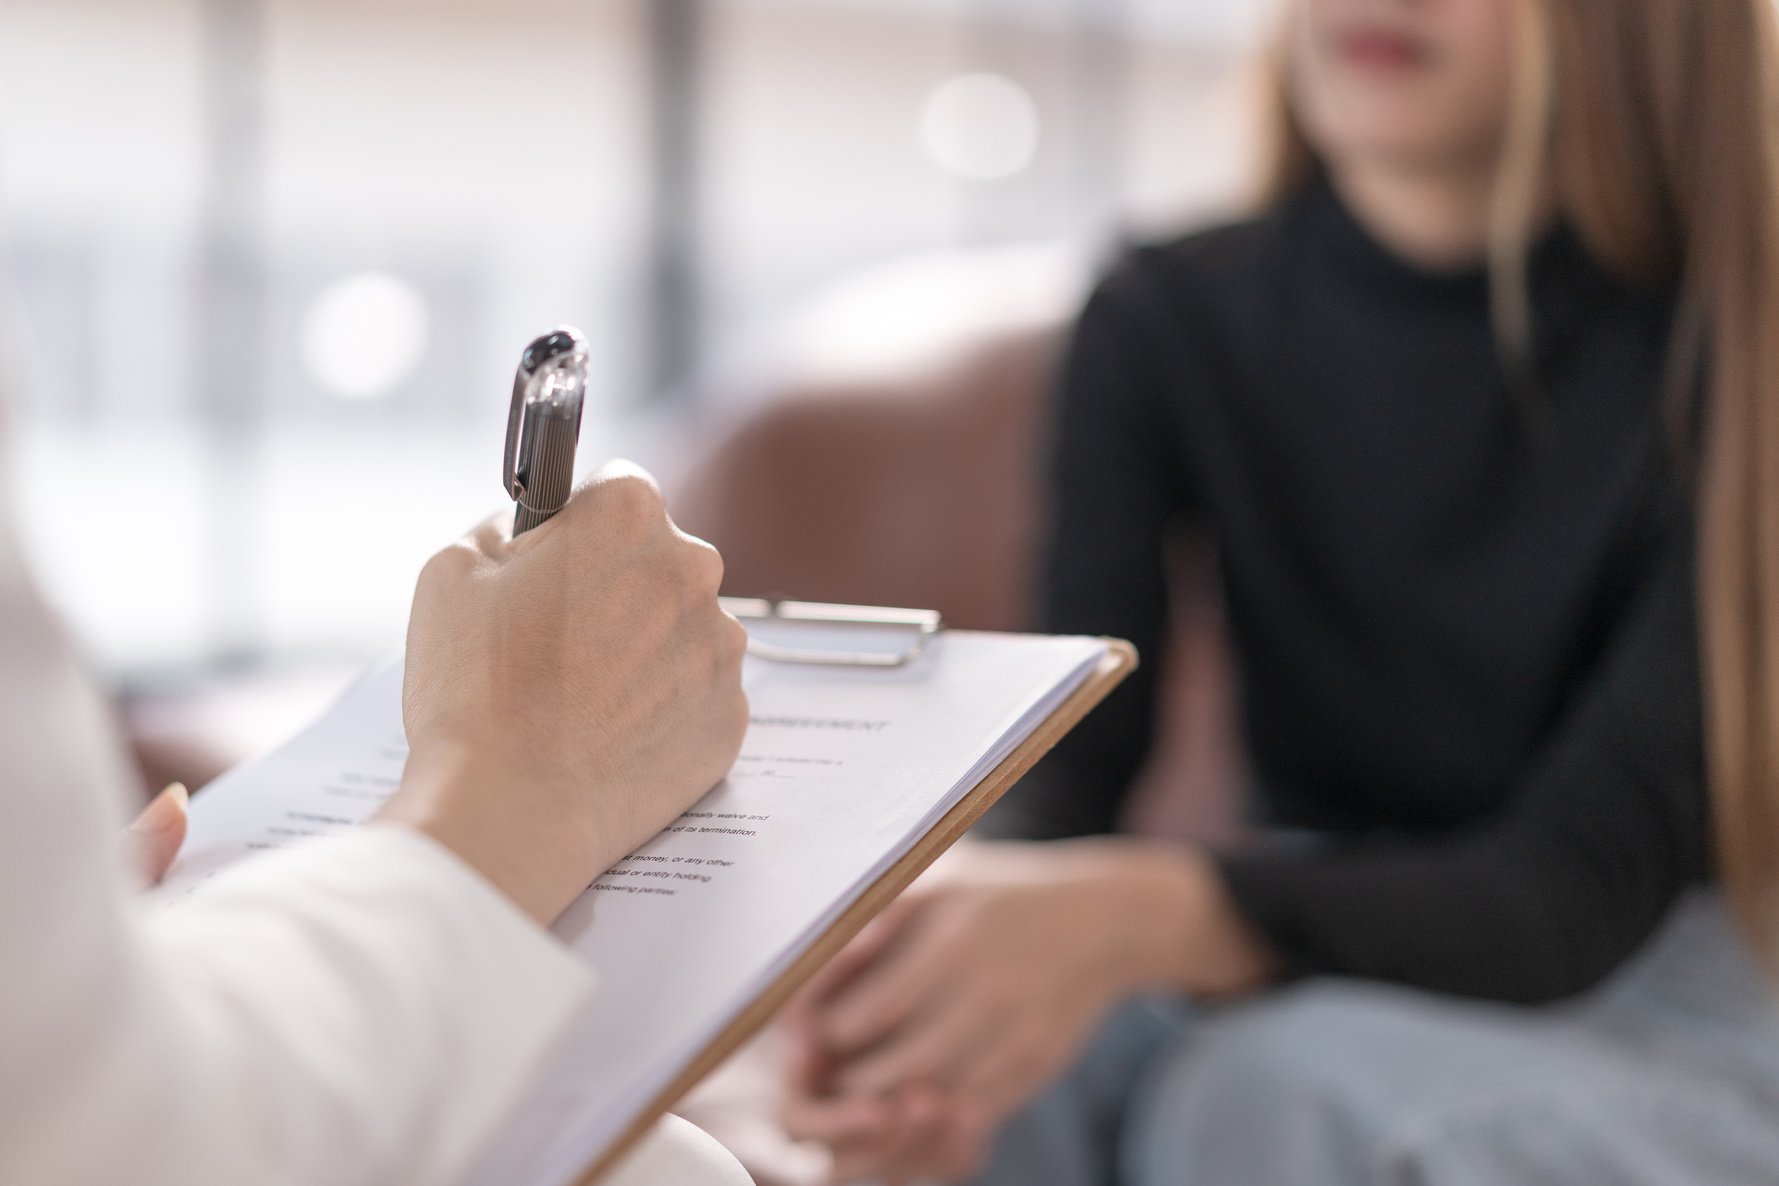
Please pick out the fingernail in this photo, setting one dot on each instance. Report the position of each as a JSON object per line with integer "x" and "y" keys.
{"x": 164, "y": 813}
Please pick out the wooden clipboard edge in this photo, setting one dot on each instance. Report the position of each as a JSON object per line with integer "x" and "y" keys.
{"x": 1118, "y": 663}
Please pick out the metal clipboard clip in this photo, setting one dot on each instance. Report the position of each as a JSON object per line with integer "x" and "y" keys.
{"x": 822, "y": 621}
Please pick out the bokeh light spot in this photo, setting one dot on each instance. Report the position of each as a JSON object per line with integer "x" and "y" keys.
{"x": 980, "y": 126}
{"x": 363, "y": 335}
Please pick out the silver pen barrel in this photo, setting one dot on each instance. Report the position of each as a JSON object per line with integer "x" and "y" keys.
{"x": 543, "y": 426}
{"x": 550, "y": 475}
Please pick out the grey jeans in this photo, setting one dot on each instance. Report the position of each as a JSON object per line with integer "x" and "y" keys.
{"x": 1667, "y": 1074}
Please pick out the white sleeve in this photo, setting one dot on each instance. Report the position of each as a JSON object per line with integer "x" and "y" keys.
{"x": 388, "y": 1001}
{"x": 357, "y": 1010}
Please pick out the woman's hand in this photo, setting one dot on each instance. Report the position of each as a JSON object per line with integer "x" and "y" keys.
{"x": 984, "y": 982}
{"x": 568, "y": 693}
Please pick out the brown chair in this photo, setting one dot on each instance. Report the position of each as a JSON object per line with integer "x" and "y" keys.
{"x": 916, "y": 495}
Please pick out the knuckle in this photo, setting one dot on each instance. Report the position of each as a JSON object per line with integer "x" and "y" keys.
{"x": 698, "y": 570}
{"x": 450, "y": 564}
{"x": 707, "y": 564}
{"x": 632, "y": 498}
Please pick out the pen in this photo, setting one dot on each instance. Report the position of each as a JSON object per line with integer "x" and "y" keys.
{"x": 543, "y": 425}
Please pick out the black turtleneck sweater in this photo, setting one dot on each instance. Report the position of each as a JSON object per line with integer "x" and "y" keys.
{"x": 1463, "y": 609}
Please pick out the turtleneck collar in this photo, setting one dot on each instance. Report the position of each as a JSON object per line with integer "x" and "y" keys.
{"x": 1561, "y": 271}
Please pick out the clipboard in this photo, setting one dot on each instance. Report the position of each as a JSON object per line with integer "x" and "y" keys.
{"x": 1119, "y": 661}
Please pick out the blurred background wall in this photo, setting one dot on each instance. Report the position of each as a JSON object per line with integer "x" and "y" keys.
{"x": 268, "y": 263}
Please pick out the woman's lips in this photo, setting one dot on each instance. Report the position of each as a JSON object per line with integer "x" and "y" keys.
{"x": 1375, "y": 49}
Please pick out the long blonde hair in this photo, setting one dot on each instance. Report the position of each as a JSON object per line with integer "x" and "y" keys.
{"x": 1655, "y": 125}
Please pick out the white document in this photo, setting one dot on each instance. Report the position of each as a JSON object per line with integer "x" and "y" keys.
{"x": 843, "y": 770}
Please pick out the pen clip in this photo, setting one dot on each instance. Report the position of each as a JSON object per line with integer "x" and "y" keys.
{"x": 540, "y": 352}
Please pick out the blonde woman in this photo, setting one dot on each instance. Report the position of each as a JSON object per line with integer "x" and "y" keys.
{"x": 1483, "y": 408}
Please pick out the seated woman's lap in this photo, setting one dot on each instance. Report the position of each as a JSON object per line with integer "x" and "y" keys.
{"x": 1669, "y": 1074}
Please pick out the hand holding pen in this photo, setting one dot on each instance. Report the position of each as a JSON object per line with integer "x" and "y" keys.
{"x": 565, "y": 699}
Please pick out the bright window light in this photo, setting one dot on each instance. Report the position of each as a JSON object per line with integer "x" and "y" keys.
{"x": 980, "y": 126}
{"x": 363, "y": 335}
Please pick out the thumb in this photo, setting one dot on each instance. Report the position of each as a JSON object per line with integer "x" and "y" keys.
{"x": 158, "y": 832}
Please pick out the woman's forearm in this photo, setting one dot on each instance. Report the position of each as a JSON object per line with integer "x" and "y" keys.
{"x": 1181, "y": 930}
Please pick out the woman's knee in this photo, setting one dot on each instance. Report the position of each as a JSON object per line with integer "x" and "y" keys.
{"x": 1285, "y": 1089}
{"x": 1306, "y": 1042}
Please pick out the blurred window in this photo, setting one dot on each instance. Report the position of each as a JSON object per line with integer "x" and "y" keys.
{"x": 268, "y": 263}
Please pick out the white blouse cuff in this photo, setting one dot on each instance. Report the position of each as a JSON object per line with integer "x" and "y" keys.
{"x": 417, "y": 920}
